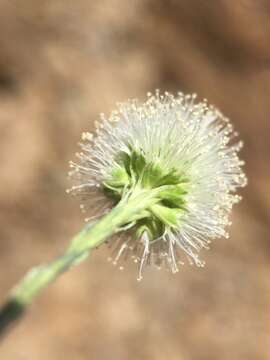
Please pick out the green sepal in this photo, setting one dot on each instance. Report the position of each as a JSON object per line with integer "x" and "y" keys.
{"x": 131, "y": 171}
{"x": 119, "y": 178}
{"x": 152, "y": 226}
{"x": 173, "y": 196}
{"x": 169, "y": 216}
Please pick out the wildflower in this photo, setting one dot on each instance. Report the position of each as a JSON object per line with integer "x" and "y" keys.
{"x": 158, "y": 180}
{"x": 181, "y": 152}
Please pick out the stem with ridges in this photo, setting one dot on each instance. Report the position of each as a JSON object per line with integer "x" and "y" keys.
{"x": 128, "y": 210}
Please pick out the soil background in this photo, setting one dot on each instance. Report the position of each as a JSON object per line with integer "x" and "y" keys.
{"x": 61, "y": 64}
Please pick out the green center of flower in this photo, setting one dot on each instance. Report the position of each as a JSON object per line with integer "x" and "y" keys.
{"x": 131, "y": 171}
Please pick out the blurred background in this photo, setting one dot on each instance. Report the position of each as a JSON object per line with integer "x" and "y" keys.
{"x": 63, "y": 62}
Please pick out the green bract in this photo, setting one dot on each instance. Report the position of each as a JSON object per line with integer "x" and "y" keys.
{"x": 131, "y": 171}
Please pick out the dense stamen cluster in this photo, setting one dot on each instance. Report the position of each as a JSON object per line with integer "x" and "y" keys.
{"x": 170, "y": 142}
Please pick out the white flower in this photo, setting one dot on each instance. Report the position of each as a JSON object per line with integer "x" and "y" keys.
{"x": 165, "y": 141}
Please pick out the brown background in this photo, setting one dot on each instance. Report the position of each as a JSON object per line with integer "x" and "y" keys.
{"x": 63, "y": 62}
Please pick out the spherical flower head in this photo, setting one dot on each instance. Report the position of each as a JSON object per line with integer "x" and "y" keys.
{"x": 184, "y": 149}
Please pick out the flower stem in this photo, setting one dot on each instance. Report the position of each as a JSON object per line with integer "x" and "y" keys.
{"x": 129, "y": 209}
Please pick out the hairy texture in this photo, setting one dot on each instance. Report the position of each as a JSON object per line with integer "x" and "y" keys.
{"x": 170, "y": 142}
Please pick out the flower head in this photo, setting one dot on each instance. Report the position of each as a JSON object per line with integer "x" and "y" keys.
{"x": 173, "y": 144}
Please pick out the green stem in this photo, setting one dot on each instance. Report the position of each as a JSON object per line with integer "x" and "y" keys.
{"x": 128, "y": 210}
